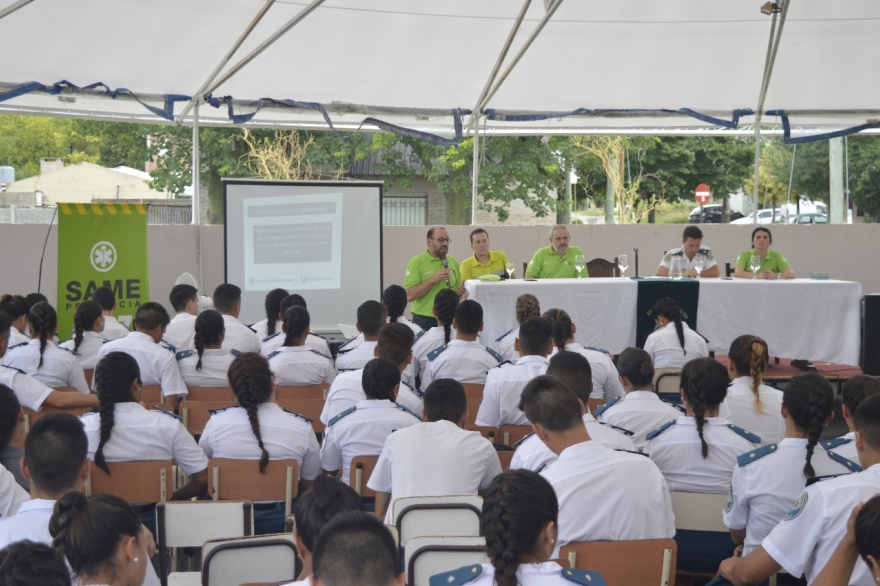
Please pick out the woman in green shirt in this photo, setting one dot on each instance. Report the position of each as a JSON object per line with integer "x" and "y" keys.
{"x": 773, "y": 264}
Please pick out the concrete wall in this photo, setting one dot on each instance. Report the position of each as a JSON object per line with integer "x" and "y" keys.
{"x": 845, "y": 252}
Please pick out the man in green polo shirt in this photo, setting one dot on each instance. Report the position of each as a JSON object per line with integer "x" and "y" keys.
{"x": 429, "y": 273}
{"x": 557, "y": 260}
{"x": 484, "y": 261}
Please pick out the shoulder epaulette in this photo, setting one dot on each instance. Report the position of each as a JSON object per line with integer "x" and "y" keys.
{"x": 273, "y": 354}
{"x": 13, "y": 368}
{"x": 437, "y": 352}
{"x": 320, "y": 354}
{"x": 166, "y": 412}
{"x": 603, "y": 408}
{"x": 420, "y": 394}
{"x": 456, "y": 577}
{"x": 625, "y": 432}
{"x": 503, "y": 363}
{"x": 602, "y": 350}
{"x": 419, "y": 335}
{"x": 518, "y": 443}
{"x": 183, "y": 354}
{"x": 222, "y": 409}
{"x": 346, "y": 343}
{"x": 74, "y": 352}
{"x": 707, "y": 252}
{"x": 814, "y": 479}
{"x": 631, "y": 452}
{"x": 834, "y": 443}
{"x": 495, "y": 354}
{"x": 755, "y": 439}
{"x": 251, "y": 329}
{"x": 347, "y": 350}
{"x": 652, "y": 434}
{"x": 234, "y": 352}
{"x": 852, "y": 466}
{"x": 402, "y": 408}
{"x": 171, "y": 347}
{"x": 267, "y": 338}
{"x": 17, "y": 346}
{"x": 341, "y": 370}
{"x": 345, "y": 413}
{"x": 584, "y": 577}
{"x": 105, "y": 341}
{"x": 317, "y": 336}
{"x": 303, "y": 417}
{"x": 504, "y": 335}
{"x": 675, "y": 405}
{"x": 755, "y": 455}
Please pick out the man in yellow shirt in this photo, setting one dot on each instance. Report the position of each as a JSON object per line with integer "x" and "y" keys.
{"x": 484, "y": 261}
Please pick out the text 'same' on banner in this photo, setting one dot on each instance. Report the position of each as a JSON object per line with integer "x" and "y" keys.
{"x": 101, "y": 245}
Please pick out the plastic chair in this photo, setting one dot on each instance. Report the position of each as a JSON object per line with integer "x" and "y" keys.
{"x": 241, "y": 479}
{"x": 425, "y": 557}
{"x": 136, "y": 482}
{"x": 622, "y": 563}
{"x": 266, "y": 558}
{"x": 698, "y": 517}
{"x": 510, "y": 434}
{"x": 197, "y": 413}
{"x": 437, "y": 516}
{"x": 210, "y": 394}
{"x": 361, "y": 468}
{"x": 667, "y": 381}
{"x": 348, "y": 331}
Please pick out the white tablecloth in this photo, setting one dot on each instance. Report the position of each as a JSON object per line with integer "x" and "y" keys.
{"x": 800, "y": 318}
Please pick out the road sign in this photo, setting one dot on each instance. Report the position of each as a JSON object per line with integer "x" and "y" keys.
{"x": 702, "y": 193}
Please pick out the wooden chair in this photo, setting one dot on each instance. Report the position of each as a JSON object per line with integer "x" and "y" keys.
{"x": 427, "y": 556}
{"x": 505, "y": 458}
{"x": 359, "y": 474}
{"x": 197, "y": 413}
{"x": 210, "y": 394}
{"x": 151, "y": 393}
{"x": 31, "y": 416}
{"x": 315, "y": 392}
{"x": 473, "y": 407}
{"x": 90, "y": 373}
{"x": 270, "y": 558}
{"x": 241, "y": 480}
{"x": 473, "y": 391}
{"x": 309, "y": 408}
{"x": 487, "y": 431}
{"x": 622, "y": 563}
{"x": 601, "y": 268}
{"x": 136, "y": 482}
{"x": 594, "y": 404}
{"x": 510, "y": 434}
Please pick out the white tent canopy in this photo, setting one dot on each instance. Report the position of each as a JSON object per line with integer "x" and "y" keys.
{"x": 414, "y": 63}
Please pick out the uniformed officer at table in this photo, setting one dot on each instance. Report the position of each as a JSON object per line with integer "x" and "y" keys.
{"x": 691, "y": 248}
{"x": 557, "y": 260}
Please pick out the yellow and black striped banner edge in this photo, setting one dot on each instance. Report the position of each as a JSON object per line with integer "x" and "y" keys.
{"x": 99, "y": 209}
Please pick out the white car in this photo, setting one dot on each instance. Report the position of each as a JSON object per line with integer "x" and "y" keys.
{"x": 764, "y": 217}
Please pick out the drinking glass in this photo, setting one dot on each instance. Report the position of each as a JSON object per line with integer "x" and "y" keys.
{"x": 698, "y": 265}
{"x": 755, "y": 265}
{"x": 509, "y": 268}
{"x": 579, "y": 264}
{"x": 675, "y": 268}
{"x": 622, "y": 264}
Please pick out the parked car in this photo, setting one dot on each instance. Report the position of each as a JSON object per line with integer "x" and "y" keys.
{"x": 710, "y": 214}
{"x": 764, "y": 217}
{"x": 808, "y": 219}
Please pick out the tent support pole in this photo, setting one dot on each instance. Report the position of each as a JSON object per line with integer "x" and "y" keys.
{"x": 266, "y": 44}
{"x": 196, "y": 219}
{"x": 247, "y": 31}
{"x": 13, "y": 7}
{"x": 476, "y": 177}
{"x": 510, "y": 36}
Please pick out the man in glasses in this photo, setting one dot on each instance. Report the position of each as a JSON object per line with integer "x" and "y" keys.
{"x": 556, "y": 261}
{"x": 429, "y": 273}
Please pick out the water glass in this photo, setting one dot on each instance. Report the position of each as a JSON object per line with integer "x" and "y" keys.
{"x": 579, "y": 263}
{"x": 622, "y": 264}
{"x": 509, "y": 268}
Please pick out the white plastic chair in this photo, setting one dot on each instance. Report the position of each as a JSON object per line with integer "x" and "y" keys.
{"x": 437, "y": 516}
{"x": 667, "y": 381}
{"x": 427, "y": 556}
{"x": 697, "y": 511}
{"x": 261, "y": 558}
{"x": 348, "y": 332}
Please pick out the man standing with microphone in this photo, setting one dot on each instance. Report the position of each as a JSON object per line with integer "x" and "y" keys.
{"x": 429, "y": 273}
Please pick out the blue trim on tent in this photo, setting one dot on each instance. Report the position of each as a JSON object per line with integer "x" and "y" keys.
{"x": 492, "y": 114}
{"x": 786, "y": 130}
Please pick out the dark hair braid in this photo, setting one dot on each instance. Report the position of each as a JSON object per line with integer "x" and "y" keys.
{"x": 809, "y": 400}
{"x": 749, "y": 355}
{"x": 704, "y": 381}
{"x": 44, "y": 320}
{"x": 84, "y": 320}
{"x": 394, "y": 300}
{"x": 113, "y": 377}
{"x": 296, "y": 320}
{"x": 445, "y": 304}
{"x": 273, "y": 308}
{"x": 251, "y": 380}
{"x": 562, "y": 326}
{"x": 208, "y": 329}
{"x": 668, "y": 308}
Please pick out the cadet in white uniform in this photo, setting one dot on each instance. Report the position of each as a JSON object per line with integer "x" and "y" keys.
{"x": 361, "y": 430}
{"x": 855, "y": 390}
{"x": 208, "y": 365}
{"x": 464, "y": 358}
{"x": 802, "y": 543}
{"x": 698, "y": 452}
{"x": 88, "y": 323}
{"x": 227, "y": 300}
{"x": 394, "y": 300}
{"x": 768, "y": 480}
{"x": 42, "y": 358}
{"x": 274, "y": 341}
{"x": 434, "y": 458}
{"x": 113, "y": 330}
{"x": 500, "y": 404}
{"x": 12, "y": 496}
{"x": 273, "y": 313}
{"x": 673, "y": 344}
{"x": 185, "y": 301}
{"x": 635, "y": 501}
{"x": 445, "y": 304}
{"x": 156, "y": 363}
{"x": 17, "y": 307}
{"x": 749, "y": 403}
{"x": 370, "y": 319}
{"x": 294, "y": 364}
{"x": 641, "y": 410}
{"x": 691, "y": 248}
{"x": 526, "y": 306}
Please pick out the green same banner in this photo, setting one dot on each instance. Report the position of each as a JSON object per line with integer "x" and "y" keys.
{"x": 101, "y": 245}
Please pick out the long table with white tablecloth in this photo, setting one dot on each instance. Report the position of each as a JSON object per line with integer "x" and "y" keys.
{"x": 799, "y": 318}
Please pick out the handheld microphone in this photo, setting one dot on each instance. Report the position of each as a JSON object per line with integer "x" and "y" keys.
{"x": 445, "y": 266}
{"x": 636, "y": 250}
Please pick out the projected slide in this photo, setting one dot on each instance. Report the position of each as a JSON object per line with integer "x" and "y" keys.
{"x": 293, "y": 242}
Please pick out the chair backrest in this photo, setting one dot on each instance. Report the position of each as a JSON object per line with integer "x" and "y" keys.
{"x": 510, "y": 434}
{"x": 428, "y": 556}
{"x": 697, "y": 511}
{"x": 487, "y": 431}
{"x": 31, "y": 416}
{"x": 151, "y": 394}
{"x": 621, "y": 563}
{"x": 136, "y": 482}
{"x": 315, "y": 392}
{"x": 601, "y": 268}
{"x": 473, "y": 390}
{"x": 439, "y": 516}
{"x": 348, "y": 331}
{"x": 310, "y": 408}
{"x": 594, "y": 404}
{"x": 505, "y": 458}
{"x": 473, "y": 405}
{"x": 667, "y": 381}
{"x": 264, "y": 558}
{"x": 89, "y": 373}
{"x": 241, "y": 480}
{"x": 210, "y": 394}
{"x": 360, "y": 472}
{"x": 197, "y": 413}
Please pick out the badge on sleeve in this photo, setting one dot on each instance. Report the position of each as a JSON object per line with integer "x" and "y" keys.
{"x": 798, "y": 507}
{"x": 729, "y": 505}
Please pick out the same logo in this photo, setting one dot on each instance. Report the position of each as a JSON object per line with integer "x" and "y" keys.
{"x": 103, "y": 256}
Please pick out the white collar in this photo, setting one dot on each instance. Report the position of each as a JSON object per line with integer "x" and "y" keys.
{"x": 532, "y": 358}
{"x": 37, "y": 505}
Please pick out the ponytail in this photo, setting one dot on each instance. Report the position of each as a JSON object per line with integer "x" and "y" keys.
{"x": 43, "y": 318}
{"x": 296, "y": 320}
{"x": 562, "y": 326}
{"x": 394, "y": 300}
{"x": 208, "y": 329}
{"x": 273, "y": 308}
{"x": 635, "y": 365}
{"x": 113, "y": 377}
{"x": 380, "y": 377}
{"x": 251, "y": 380}
{"x": 445, "y": 304}
{"x": 668, "y": 308}
{"x": 704, "y": 382}
{"x": 809, "y": 401}
{"x": 749, "y": 355}
{"x": 527, "y": 306}
{"x": 84, "y": 320}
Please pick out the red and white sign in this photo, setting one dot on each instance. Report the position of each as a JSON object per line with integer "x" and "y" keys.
{"x": 703, "y": 193}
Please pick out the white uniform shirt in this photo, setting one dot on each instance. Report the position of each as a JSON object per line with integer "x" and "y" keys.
{"x": 157, "y": 363}
{"x": 16, "y": 338}
{"x": 12, "y": 496}
{"x": 504, "y": 345}
{"x": 431, "y": 339}
{"x": 272, "y": 343}
{"x": 262, "y": 328}
{"x": 60, "y": 367}
{"x": 354, "y": 358}
{"x": 180, "y": 331}
{"x": 359, "y": 339}
{"x": 113, "y": 330}
{"x": 504, "y": 385}
{"x": 740, "y": 408}
{"x": 466, "y": 362}
{"x": 678, "y": 453}
{"x": 215, "y": 367}
{"x": 531, "y": 453}
{"x": 808, "y": 534}
{"x": 29, "y": 391}
{"x": 687, "y": 264}
{"x": 665, "y": 348}
{"x": 544, "y": 574}
{"x": 87, "y": 353}
{"x": 347, "y": 390}
{"x": 767, "y": 482}
{"x": 844, "y": 446}
{"x": 300, "y": 366}
{"x": 606, "y": 381}
{"x": 362, "y": 432}
{"x": 435, "y": 458}
{"x": 641, "y": 412}
{"x": 140, "y": 435}
{"x": 239, "y": 336}
{"x": 410, "y": 397}
{"x": 286, "y": 436}
{"x": 633, "y": 495}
